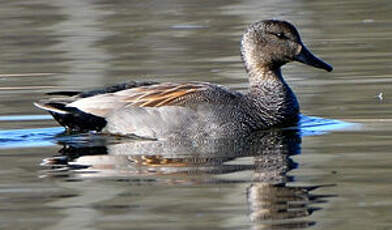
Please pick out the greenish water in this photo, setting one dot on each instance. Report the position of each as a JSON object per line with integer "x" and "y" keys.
{"x": 326, "y": 176}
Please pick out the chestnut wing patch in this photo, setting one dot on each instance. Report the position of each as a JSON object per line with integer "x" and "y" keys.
{"x": 163, "y": 94}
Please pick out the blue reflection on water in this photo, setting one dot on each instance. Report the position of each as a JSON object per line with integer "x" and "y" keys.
{"x": 310, "y": 126}
{"x": 25, "y": 118}
{"x": 22, "y": 138}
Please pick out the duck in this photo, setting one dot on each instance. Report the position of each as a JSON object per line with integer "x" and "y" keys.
{"x": 157, "y": 110}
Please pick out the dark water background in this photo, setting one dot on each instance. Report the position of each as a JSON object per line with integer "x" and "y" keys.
{"x": 271, "y": 183}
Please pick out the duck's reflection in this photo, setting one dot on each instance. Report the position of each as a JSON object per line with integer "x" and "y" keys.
{"x": 262, "y": 160}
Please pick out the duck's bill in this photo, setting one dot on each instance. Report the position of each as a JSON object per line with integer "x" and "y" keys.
{"x": 306, "y": 57}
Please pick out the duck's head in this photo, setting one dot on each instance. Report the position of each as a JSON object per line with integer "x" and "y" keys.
{"x": 270, "y": 44}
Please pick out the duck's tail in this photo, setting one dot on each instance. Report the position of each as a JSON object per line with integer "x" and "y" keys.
{"x": 73, "y": 119}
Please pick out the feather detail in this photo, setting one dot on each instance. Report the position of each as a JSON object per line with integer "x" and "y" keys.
{"x": 163, "y": 94}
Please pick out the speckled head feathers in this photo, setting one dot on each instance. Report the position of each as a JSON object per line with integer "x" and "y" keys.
{"x": 280, "y": 29}
{"x": 273, "y": 43}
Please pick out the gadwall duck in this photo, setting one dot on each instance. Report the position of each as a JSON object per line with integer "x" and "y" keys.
{"x": 158, "y": 110}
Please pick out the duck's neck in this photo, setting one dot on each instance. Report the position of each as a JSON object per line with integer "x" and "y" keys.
{"x": 272, "y": 97}
{"x": 262, "y": 77}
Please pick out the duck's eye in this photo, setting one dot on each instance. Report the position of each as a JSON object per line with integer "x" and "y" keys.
{"x": 280, "y": 35}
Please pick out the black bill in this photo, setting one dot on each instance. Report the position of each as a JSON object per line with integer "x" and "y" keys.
{"x": 306, "y": 57}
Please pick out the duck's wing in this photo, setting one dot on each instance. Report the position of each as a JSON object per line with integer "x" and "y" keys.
{"x": 91, "y": 110}
{"x": 157, "y": 95}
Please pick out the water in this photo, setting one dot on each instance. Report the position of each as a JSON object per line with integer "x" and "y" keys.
{"x": 327, "y": 175}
